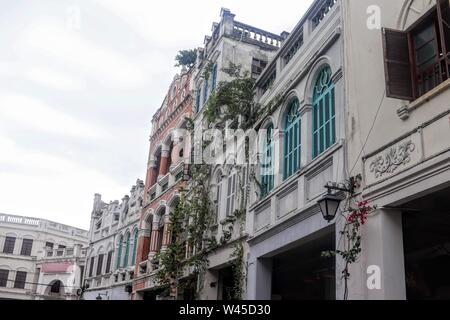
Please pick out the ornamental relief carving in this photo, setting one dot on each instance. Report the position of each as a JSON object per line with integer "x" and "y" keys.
{"x": 394, "y": 158}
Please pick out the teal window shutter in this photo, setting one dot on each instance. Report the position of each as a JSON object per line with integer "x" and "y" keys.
{"x": 205, "y": 91}
{"x": 267, "y": 174}
{"x": 292, "y": 139}
{"x": 135, "y": 244}
{"x": 119, "y": 253}
{"x": 324, "y": 116}
{"x": 214, "y": 77}
{"x": 127, "y": 251}
{"x": 197, "y": 100}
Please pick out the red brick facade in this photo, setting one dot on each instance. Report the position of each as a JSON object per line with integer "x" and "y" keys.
{"x": 165, "y": 166}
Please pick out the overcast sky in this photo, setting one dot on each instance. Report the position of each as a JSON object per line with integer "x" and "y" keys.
{"x": 79, "y": 82}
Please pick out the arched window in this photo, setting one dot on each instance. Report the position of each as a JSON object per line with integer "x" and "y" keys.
{"x": 214, "y": 77}
{"x": 205, "y": 90}
{"x": 119, "y": 252}
{"x": 127, "y": 250}
{"x": 135, "y": 244}
{"x": 292, "y": 140}
{"x": 218, "y": 196}
{"x": 231, "y": 193}
{"x": 324, "y": 132}
{"x": 197, "y": 99}
{"x": 267, "y": 176}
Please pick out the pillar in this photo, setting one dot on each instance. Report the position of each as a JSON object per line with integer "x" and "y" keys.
{"x": 154, "y": 239}
{"x": 306, "y": 135}
{"x": 151, "y": 173}
{"x": 166, "y": 233}
{"x": 163, "y": 167}
{"x": 177, "y": 146}
{"x": 278, "y": 151}
{"x": 382, "y": 247}
{"x": 259, "y": 283}
{"x": 143, "y": 247}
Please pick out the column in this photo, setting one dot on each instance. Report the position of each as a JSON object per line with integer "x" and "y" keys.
{"x": 278, "y": 137}
{"x": 259, "y": 284}
{"x": 151, "y": 172}
{"x": 382, "y": 245}
{"x": 163, "y": 167}
{"x": 154, "y": 239}
{"x": 166, "y": 233}
{"x": 177, "y": 146}
{"x": 306, "y": 135}
{"x": 143, "y": 247}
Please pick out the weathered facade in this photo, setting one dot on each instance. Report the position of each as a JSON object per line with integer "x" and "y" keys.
{"x": 232, "y": 43}
{"x": 399, "y": 141}
{"x": 40, "y": 259}
{"x": 364, "y": 97}
{"x": 358, "y": 97}
{"x": 112, "y": 252}
{"x": 168, "y": 153}
{"x": 303, "y": 150}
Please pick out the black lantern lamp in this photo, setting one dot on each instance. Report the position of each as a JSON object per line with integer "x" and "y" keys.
{"x": 329, "y": 203}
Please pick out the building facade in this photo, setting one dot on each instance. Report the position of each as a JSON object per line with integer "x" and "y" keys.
{"x": 112, "y": 252}
{"x": 166, "y": 170}
{"x": 398, "y": 133}
{"x": 377, "y": 116}
{"x": 232, "y": 44}
{"x": 40, "y": 259}
{"x": 303, "y": 148}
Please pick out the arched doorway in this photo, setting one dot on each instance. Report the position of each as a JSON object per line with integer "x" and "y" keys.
{"x": 54, "y": 291}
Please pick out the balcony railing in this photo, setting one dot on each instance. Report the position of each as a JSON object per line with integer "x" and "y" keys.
{"x": 245, "y": 31}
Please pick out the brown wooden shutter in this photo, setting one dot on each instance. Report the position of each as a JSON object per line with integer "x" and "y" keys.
{"x": 397, "y": 64}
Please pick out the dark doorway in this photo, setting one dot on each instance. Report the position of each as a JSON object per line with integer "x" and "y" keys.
{"x": 153, "y": 295}
{"x": 55, "y": 287}
{"x": 426, "y": 240}
{"x": 226, "y": 284}
{"x": 303, "y": 274}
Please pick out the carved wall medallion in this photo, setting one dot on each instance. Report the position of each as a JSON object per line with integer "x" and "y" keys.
{"x": 393, "y": 159}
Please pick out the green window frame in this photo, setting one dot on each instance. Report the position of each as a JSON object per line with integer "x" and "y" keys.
{"x": 197, "y": 100}
{"x": 267, "y": 174}
{"x": 127, "y": 251}
{"x": 205, "y": 91}
{"x": 214, "y": 77}
{"x": 324, "y": 115}
{"x": 135, "y": 243}
{"x": 119, "y": 253}
{"x": 292, "y": 139}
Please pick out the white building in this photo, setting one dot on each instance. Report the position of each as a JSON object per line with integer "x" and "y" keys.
{"x": 40, "y": 259}
{"x": 305, "y": 148}
{"x": 364, "y": 97}
{"x": 399, "y": 141}
{"x": 249, "y": 48}
{"x": 112, "y": 248}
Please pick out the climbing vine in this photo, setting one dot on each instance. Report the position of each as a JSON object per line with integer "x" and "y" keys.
{"x": 231, "y": 103}
{"x": 234, "y": 101}
{"x": 355, "y": 217}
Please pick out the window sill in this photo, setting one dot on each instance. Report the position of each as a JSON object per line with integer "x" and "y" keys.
{"x": 404, "y": 112}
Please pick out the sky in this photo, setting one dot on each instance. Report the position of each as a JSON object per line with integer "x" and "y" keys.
{"x": 79, "y": 83}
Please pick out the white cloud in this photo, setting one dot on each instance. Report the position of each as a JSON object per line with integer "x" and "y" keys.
{"x": 109, "y": 68}
{"x": 76, "y": 62}
{"x": 32, "y": 113}
{"x": 53, "y": 79}
{"x": 59, "y": 189}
